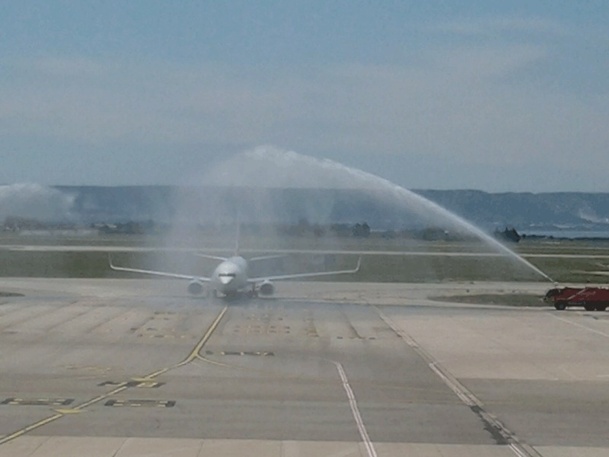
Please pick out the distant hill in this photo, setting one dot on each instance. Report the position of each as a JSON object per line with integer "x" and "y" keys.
{"x": 523, "y": 211}
{"x": 572, "y": 210}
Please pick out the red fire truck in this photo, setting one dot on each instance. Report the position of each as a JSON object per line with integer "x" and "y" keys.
{"x": 591, "y": 298}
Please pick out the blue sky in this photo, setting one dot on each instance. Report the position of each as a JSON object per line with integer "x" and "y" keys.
{"x": 490, "y": 95}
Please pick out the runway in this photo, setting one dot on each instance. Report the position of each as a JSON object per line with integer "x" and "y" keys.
{"x": 438, "y": 252}
{"x": 136, "y": 367}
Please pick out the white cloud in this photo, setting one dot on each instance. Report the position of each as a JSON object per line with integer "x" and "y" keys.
{"x": 29, "y": 200}
{"x": 478, "y": 103}
{"x": 494, "y": 26}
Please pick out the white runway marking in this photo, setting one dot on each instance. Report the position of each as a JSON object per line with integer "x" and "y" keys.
{"x": 464, "y": 394}
{"x": 591, "y": 330}
{"x": 355, "y": 410}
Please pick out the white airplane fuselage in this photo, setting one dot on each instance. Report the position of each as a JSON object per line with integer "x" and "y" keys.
{"x": 230, "y": 276}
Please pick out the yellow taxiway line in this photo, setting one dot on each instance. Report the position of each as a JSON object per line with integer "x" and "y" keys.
{"x": 194, "y": 354}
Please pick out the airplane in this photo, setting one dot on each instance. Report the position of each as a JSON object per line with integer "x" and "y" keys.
{"x": 230, "y": 277}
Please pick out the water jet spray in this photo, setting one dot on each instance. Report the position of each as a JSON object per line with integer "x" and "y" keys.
{"x": 270, "y": 167}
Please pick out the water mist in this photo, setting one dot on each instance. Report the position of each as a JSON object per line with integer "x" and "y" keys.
{"x": 270, "y": 167}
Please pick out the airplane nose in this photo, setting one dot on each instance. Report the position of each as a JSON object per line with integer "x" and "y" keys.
{"x": 225, "y": 279}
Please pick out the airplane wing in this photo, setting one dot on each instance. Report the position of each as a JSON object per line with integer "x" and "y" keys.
{"x": 267, "y": 257}
{"x": 158, "y": 273}
{"x": 305, "y": 275}
{"x": 212, "y": 257}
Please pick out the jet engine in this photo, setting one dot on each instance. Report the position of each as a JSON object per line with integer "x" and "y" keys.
{"x": 267, "y": 288}
{"x": 195, "y": 288}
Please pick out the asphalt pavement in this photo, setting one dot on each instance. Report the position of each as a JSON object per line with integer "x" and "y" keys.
{"x": 137, "y": 367}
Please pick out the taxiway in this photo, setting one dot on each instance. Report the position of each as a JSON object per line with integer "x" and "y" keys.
{"x": 136, "y": 367}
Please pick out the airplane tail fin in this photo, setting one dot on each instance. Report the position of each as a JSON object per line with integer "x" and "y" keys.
{"x": 237, "y": 237}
